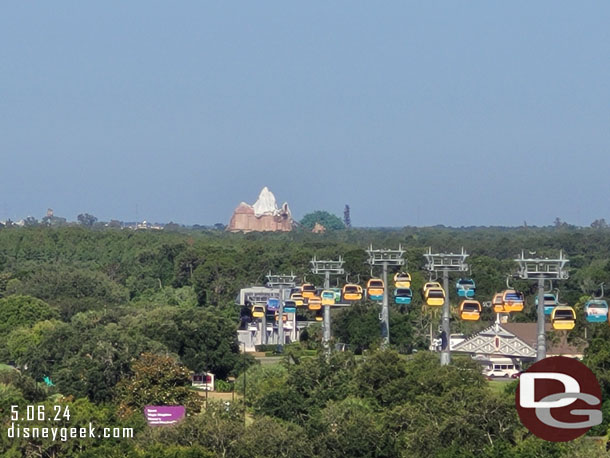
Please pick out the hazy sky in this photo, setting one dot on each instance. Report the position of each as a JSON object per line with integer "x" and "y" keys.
{"x": 414, "y": 113}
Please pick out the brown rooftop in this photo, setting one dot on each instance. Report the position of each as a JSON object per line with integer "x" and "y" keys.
{"x": 528, "y": 333}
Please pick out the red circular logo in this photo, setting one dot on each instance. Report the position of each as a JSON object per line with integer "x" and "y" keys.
{"x": 559, "y": 399}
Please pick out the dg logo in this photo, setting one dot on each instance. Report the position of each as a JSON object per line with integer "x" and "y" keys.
{"x": 559, "y": 399}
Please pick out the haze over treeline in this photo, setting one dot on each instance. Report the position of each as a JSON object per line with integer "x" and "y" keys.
{"x": 414, "y": 113}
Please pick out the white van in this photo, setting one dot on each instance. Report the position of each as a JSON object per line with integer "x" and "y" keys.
{"x": 504, "y": 367}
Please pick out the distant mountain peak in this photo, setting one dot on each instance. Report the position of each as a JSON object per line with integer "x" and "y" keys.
{"x": 265, "y": 204}
{"x": 264, "y": 215}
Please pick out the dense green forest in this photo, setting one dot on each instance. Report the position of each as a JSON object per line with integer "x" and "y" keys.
{"x": 100, "y": 311}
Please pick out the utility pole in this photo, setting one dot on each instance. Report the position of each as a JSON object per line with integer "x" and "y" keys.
{"x": 385, "y": 258}
{"x": 542, "y": 269}
{"x": 282, "y": 282}
{"x": 445, "y": 263}
{"x": 327, "y": 268}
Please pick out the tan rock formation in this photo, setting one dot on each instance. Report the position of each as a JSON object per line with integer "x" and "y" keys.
{"x": 318, "y": 229}
{"x": 263, "y": 216}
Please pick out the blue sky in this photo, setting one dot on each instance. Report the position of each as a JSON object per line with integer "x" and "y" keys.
{"x": 414, "y": 113}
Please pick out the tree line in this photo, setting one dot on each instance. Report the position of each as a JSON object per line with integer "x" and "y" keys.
{"x": 85, "y": 307}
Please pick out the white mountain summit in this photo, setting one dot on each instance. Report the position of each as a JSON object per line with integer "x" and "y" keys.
{"x": 265, "y": 204}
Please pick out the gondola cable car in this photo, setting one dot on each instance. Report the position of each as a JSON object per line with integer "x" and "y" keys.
{"x": 498, "y": 303}
{"x": 430, "y": 284}
{"x": 596, "y": 308}
{"x": 298, "y": 299}
{"x": 352, "y": 292}
{"x": 470, "y": 310}
{"x": 375, "y": 288}
{"x": 290, "y": 306}
{"x": 308, "y": 290}
{"x": 258, "y": 311}
{"x": 402, "y": 280}
{"x": 319, "y": 315}
{"x": 549, "y": 303}
{"x": 513, "y": 300}
{"x": 435, "y": 296}
{"x": 563, "y": 317}
{"x": 403, "y": 296}
{"x": 314, "y": 303}
{"x": 273, "y": 304}
{"x": 465, "y": 287}
{"x": 328, "y": 297}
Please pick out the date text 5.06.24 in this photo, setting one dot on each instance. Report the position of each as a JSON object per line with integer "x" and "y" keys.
{"x": 40, "y": 413}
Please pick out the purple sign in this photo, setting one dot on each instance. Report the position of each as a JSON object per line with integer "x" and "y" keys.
{"x": 163, "y": 415}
